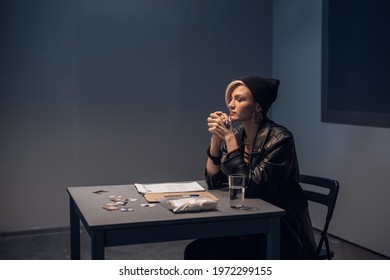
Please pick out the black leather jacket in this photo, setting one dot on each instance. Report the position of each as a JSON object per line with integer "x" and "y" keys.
{"x": 273, "y": 175}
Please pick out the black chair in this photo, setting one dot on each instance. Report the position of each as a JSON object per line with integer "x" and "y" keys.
{"x": 323, "y": 191}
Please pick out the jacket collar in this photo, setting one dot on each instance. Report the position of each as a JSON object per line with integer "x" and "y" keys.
{"x": 260, "y": 138}
{"x": 261, "y": 135}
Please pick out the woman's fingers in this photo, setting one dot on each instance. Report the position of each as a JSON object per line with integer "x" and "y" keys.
{"x": 216, "y": 114}
{"x": 218, "y": 123}
{"x": 215, "y": 121}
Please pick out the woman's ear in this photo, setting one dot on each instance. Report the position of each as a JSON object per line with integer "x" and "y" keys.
{"x": 258, "y": 108}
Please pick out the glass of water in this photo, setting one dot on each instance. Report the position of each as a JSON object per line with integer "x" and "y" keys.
{"x": 237, "y": 190}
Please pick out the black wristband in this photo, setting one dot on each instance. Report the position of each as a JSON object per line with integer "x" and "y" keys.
{"x": 216, "y": 160}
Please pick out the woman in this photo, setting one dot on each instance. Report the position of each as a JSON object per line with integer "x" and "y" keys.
{"x": 265, "y": 152}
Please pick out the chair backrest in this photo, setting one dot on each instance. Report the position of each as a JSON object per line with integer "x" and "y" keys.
{"x": 327, "y": 198}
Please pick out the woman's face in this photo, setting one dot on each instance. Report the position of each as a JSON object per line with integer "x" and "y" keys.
{"x": 242, "y": 106}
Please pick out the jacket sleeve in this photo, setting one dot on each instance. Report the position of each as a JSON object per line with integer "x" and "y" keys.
{"x": 271, "y": 169}
{"x": 232, "y": 163}
{"x": 217, "y": 181}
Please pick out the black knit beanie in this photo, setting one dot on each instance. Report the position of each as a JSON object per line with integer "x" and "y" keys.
{"x": 264, "y": 90}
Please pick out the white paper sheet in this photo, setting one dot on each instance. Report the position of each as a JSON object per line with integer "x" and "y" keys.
{"x": 169, "y": 187}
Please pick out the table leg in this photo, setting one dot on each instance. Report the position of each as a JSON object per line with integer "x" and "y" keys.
{"x": 97, "y": 245}
{"x": 74, "y": 232}
{"x": 273, "y": 240}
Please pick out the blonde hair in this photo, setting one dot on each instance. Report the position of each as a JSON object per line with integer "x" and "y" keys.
{"x": 230, "y": 88}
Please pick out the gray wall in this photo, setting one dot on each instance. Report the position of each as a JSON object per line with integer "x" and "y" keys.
{"x": 96, "y": 92}
{"x": 357, "y": 156}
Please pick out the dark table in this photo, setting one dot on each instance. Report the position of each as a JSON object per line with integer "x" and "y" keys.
{"x": 157, "y": 224}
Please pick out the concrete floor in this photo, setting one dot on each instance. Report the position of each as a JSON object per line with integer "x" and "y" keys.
{"x": 54, "y": 245}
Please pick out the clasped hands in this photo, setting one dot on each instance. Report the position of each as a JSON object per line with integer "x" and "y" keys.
{"x": 219, "y": 124}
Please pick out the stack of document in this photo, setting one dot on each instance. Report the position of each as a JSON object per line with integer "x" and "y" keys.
{"x": 169, "y": 187}
{"x": 156, "y": 192}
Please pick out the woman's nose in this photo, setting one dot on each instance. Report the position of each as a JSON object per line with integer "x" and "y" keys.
{"x": 231, "y": 104}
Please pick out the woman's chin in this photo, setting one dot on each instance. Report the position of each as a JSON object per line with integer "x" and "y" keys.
{"x": 234, "y": 118}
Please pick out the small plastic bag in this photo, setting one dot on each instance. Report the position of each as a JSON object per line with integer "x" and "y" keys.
{"x": 189, "y": 204}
